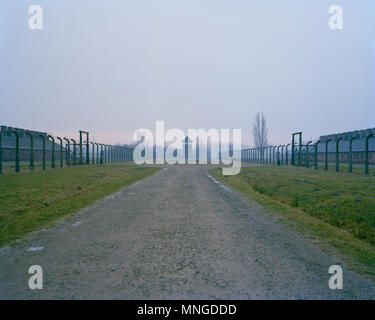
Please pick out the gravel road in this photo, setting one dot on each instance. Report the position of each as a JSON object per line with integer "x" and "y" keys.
{"x": 177, "y": 234}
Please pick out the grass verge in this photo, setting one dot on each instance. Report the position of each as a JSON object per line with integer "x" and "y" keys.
{"x": 333, "y": 210}
{"x": 31, "y": 200}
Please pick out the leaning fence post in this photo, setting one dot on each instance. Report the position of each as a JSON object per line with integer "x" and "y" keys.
{"x": 61, "y": 152}
{"x": 53, "y": 151}
{"x": 366, "y": 152}
{"x": 282, "y": 154}
{"x": 326, "y": 156}
{"x": 337, "y": 154}
{"x": 67, "y": 152}
{"x": 17, "y": 150}
{"x": 31, "y": 149}
{"x": 350, "y": 153}
{"x": 43, "y": 151}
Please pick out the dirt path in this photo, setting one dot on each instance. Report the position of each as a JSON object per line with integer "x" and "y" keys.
{"x": 177, "y": 234}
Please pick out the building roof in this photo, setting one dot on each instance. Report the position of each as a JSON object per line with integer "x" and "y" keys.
{"x": 8, "y": 139}
{"x": 357, "y": 146}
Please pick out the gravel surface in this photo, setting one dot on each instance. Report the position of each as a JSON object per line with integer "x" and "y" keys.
{"x": 176, "y": 235}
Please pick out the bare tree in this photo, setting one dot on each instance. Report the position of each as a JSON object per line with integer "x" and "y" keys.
{"x": 260, "y": 131}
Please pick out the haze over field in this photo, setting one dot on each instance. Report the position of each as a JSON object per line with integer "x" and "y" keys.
{"x": 111, "y": 67}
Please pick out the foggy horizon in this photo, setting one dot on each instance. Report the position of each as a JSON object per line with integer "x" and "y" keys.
{"x": 112, "y": 68}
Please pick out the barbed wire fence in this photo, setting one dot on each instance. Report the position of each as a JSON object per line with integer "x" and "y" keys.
{"x": 336, "y": 154}
{"x": 22, "y": 150}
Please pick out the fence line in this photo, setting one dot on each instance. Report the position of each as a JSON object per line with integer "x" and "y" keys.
{"x": 107, "y": 153}
{"x": 302, "y": 155}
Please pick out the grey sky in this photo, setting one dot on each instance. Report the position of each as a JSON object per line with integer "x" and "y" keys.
{"x": 111, "y": 67}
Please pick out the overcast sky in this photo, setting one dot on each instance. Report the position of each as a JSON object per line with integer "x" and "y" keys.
{"x": 111, "y": 67}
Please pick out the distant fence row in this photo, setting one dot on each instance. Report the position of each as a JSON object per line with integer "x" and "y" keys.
{"x": 350, "y": 149}
{"x": 28, "y": 149}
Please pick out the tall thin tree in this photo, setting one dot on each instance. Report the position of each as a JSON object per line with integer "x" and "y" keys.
{"x": 260, "y": 132}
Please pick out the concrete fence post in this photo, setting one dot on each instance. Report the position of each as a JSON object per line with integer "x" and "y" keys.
{"x": 31, "y": 149}
{"x": 308, "y": 154}
{"x": 316, "y": 155}
{"x": 259, "y": 156}
{"x": 43, "y": 151}
{"x": 273, "y": 155}
{"x": 97, "y": 153}
{"x": 17, "y": 150}
{"x": 53, "y": 151}
{"x": 366, "y": 153}
{"x": 92, "y": 152}
{"x": 337, "y": 154}
{"x": 101, "y": 153}
{"x": 80, "y": 148}
{"x": 87, "y": 148}
{"x": 108, "y": 153}
{"x": 1, "y": 156}
{"x": 61, "y": 152}
{"x": 286, "y": 154}
{"x": 300, "y": 149}
{"x": 67, "y": 152}
{"x": 326, "y": 155}
{"x": 351, "y": 153}
{"x": 74, "y": 152}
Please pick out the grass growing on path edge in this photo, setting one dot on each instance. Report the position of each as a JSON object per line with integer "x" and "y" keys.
{"x": 31, "y": 200}
{"x": 357, "y": 254}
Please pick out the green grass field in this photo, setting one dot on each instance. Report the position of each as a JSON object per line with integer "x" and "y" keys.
{"x": 31, "y": 200}
{"x": 334, "y": 209}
